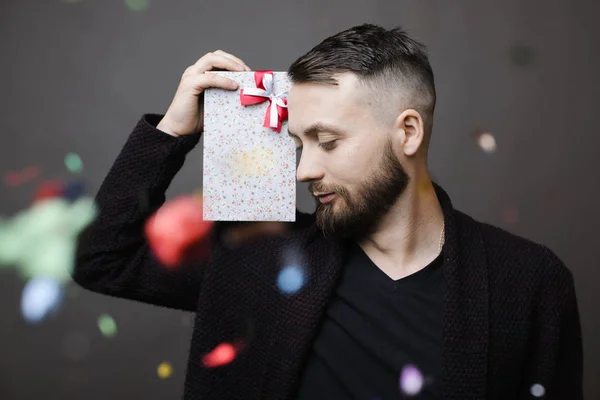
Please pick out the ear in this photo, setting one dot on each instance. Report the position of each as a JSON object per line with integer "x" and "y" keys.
{"x": 410, "y": 131}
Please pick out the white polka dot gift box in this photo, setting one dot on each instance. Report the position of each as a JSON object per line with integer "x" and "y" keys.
{"x": 249, "y": 159}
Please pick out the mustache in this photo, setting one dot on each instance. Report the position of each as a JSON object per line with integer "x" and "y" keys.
{"x": 319, "y": 189}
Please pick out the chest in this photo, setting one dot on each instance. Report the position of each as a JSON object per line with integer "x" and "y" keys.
{"x": 376, "y": 333}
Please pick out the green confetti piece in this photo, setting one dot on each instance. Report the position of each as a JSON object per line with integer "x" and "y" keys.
{"x": 52, "y": 258}
{"x": 137, "y": 5}
{"x": 82, "y": 213}
{"x": 11, "y": 247}
{"x": 107, "y": 325}
{"x": 41, "y": 240}
{"x": 73, "y": 162}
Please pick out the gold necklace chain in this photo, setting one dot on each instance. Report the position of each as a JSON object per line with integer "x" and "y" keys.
{"x": 442, "y": 236}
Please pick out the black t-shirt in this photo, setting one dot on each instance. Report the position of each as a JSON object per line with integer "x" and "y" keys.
{"x": 374, "y": 329}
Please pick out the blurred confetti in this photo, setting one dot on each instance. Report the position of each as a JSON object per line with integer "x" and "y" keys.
{"x": 48, "y": 190}
{"x": 521, "y": 55}
{"x": 164, "y": 370}
{"x": 40, "y": 241}
{"x": 16, "y": 178}
{"x": 221, "y": 355}
{"x": 137, "y": 5}
{"x": 107, "y": 326}
{"x": 486, "y": 141}
{"x": 73, "y": 190}
{"x": 73, "y": 162}
{"x": 411, "y": 380}
{"x": 537, "y": 390}
{"x": 75, "y": 346}
{"x": 40, "y": 297}
{"x": 177, "y": 232}
{"x": 291, "y": 279}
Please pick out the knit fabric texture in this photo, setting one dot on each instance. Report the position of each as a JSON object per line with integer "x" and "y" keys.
{"x": 511, "y": 318}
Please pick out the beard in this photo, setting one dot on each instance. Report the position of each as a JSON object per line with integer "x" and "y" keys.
{"x": 357, "y": 215}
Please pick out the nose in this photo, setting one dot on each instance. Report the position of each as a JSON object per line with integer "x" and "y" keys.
{"x": 308, "y": 168}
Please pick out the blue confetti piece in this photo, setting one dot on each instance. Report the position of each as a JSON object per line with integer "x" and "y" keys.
{"x": 40, "y": 297}
{"x": 291, "y": 279}
{"x": 74, "y": 190}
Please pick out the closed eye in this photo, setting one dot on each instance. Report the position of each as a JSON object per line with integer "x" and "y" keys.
{"x": 328, "y": 145}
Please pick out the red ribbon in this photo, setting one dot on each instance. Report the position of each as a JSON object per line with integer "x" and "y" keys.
{"x": 277, "y": 110}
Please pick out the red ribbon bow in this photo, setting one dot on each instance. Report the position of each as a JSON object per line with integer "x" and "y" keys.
{"x": 277, "y": 111}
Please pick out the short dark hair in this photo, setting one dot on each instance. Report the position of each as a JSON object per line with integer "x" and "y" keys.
{"x": 382, "y": 59}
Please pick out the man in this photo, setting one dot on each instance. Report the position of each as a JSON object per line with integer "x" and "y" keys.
{"x": 404, "y": 295}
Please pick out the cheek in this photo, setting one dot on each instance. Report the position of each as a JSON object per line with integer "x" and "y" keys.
{"x": 349, "y": 168}
{"x": 347, "y": 165}
{"x": 358, "y": 160}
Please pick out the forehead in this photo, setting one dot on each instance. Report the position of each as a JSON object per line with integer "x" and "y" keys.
{"x": 310, "y": 103}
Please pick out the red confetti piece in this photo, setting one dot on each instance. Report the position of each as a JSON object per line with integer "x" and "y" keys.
{"x": 16, "y": 178}
{"x": 221, "y": 355}
{"x": 48, "y": 190}
{"x": 178, "y": 233}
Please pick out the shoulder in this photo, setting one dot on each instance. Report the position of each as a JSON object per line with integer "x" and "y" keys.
{"x": 512, "y": 256}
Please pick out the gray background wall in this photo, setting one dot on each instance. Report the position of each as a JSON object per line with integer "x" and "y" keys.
{"x": 77, "y": 75}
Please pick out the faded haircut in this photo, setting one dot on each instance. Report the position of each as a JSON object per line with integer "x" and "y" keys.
{"x": 390, "y": 64}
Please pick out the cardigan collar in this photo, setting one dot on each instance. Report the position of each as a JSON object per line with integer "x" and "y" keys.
{"x": 466, "y": 318}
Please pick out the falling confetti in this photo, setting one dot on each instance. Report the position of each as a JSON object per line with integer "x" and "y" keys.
{"x": 73, "y": 162}
{"x": 537, "y": 390}
{"x": 177, "y": 232}
{"x": 73, "y": 190}
{"x": 40, "y": 297}
{"x": 137, "y": 5}
{"x": 16, "y": 178}
{"x": 291, "y": 279}
{"x": 411, "y": 380}
{"x": 52, "y": 257}
{"x": 107, "y": 325}
{"x": 48, "y": 190}
{"x": 40, "y": 241}
{"x": 221, "y": 355}
{"x": 164, "y": 370}
{"x": 487, "y": 142}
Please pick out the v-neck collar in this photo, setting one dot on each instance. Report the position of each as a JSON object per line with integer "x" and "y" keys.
{"x": 466, "y": 317}
{"x": 384, "y": 281}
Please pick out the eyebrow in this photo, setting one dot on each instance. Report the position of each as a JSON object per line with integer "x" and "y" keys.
{"x": 315, "y": 129}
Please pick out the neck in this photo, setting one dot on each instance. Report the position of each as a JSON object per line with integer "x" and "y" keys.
{"x": 408, "y": 238}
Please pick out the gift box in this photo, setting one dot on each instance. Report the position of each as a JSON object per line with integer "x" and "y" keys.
{"x": 249, "y": 159}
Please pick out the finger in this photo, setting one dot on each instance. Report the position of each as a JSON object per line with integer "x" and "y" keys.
{"x": 202, "y": 81}
{"x": 212, "y": 60}
{"x": 236, "y": 59}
